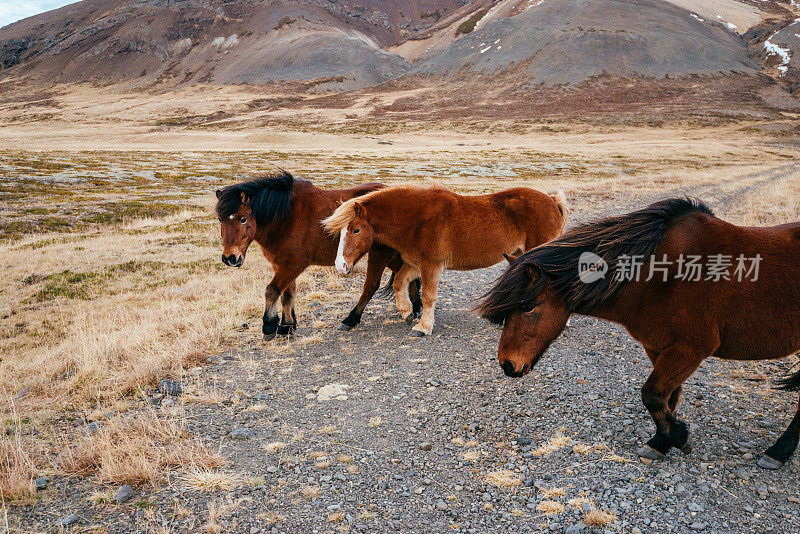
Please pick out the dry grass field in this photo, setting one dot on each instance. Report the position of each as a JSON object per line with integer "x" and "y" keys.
{"x": 110, "y": 249}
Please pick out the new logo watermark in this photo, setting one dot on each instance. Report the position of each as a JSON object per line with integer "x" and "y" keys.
{"x": 591, "y": 267}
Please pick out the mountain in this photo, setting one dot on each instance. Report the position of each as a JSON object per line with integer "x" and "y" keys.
{"x": 217, "y": 41}
{"x": 565, "y": 41}
{"x": 350, "y": 44}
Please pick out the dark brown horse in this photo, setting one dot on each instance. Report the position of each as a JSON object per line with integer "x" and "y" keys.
{"x": 282, "y": 215}
{"x": 704, "y": 288}
{"x": 434, "y": 228}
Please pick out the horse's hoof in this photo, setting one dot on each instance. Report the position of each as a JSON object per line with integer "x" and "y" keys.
{"x": 416, "y": 333}
{"x": 409, "y": 319}
{"x": 768, "y": 463}
{"x": 343, "y": 327}
{"x": 269, "y": 337}
{"x": 646, "y": 452}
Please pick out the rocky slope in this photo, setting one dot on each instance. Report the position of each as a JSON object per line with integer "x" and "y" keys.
{"x": 342, "y": 46}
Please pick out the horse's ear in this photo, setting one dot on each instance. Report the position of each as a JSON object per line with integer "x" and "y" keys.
{"x": 359, "y": 210}
{"x": 219, "y": 193}
{"x": 510, "y": 258}
{"x": 245, "y": 200}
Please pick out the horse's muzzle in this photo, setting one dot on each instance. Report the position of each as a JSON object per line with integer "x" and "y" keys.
{"x": 233, "y": 260}
{"x": 508, "y": 369}
{"x": 343, "y": 267}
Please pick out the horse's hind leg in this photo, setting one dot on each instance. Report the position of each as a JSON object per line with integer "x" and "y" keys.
{"x": 401, "y": 281}
{"x": 672, "y": 367}
{"x": 377, "y": 261}
{"x": 430, "y": 288}
{"x": 287, "y": 327}
{"x": 782, "y": 450}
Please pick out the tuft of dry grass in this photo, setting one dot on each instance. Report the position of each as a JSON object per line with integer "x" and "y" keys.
{"x": 577, "y": 502}
{"x": 217, "y": 510}
{"x": 550, "y": 507}
{"x": 503, "y": 478}
{"x": 275, "y": 446}
{"x": 101, "y": 497}
{"x": 204, "y": 479}
{"x": 137, "y": 451}
{"x": 17, "y": 469}
{"x": 336, "y": 517}
{"x": 553, "y": 492}
{"x": 555, "y": 443}
{"x": 471, "y": 456}
{"x": 310, "y": 492}
{"x": 376, "y": 421}
{"x": 598, "y": 518}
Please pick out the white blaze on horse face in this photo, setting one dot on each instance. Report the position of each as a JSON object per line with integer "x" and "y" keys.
{"x": 341, "y": 265}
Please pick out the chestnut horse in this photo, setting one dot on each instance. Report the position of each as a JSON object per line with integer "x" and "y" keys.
{"x": 282, "y": 215}
{"x": 434, "y": 228}
{"x": 705, "y": 288}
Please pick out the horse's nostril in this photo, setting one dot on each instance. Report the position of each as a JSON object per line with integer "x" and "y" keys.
{"x": 508, "y": 368}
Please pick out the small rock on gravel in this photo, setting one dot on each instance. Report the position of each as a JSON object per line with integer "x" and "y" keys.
{"x": 426, "y": 446}
{"x": 241, "y": 434}
{"x": 697, "y": 526}
{"x": 68, "y": 520}
{"x": 168, "y": 387}
{"x": 332, "y": 392}
{"x": 123, "y": 494}
{"x": 41, "y": 483}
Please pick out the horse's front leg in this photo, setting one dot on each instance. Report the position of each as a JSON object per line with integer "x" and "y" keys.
{"x": 288, "y": 318}
{"x": 430, "y": 287}
{"x": 660, "y": 395}
{"x": 377, "y": 261}
{"x": 284, "y": 277}
{"x": 402, "y": 279}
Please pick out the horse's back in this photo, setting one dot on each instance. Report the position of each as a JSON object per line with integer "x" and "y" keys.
{"x": 747, "y": 300}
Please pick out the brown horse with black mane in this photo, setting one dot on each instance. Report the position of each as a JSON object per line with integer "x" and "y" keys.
{"x": 686, "y": 285}
{"x": 434, "y": 228}
{"x": 282, "y": 215}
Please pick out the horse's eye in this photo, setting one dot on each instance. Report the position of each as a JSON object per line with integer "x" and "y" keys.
{"x": 244, "y": 220}
{"x": 356, "y": 230}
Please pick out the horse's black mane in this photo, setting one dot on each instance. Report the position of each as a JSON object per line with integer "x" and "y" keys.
{"x": 637, "y": 233}
{"x": 269, "y": 197}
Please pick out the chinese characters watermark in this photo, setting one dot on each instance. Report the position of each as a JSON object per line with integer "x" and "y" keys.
{"x": 686, "y": 268}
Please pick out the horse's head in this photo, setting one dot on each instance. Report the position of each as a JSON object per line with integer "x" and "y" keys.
{"x": 355, "y": 240}
{"x": 531, "y": 313}
{"x": 238, "y": 230}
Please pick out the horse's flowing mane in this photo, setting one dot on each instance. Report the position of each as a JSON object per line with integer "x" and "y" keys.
{"x": 269, "y": 197}
{"x": 346, "y": 211}
{"x": 634, "y": 234}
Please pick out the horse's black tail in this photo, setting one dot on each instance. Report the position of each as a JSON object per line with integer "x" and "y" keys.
{"x": 789, "y": 382}
{"x": 414, "y": 292}
{"x": 386, "y": 291}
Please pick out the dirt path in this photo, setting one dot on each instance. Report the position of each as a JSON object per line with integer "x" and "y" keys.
{"x": 419, "y": 424}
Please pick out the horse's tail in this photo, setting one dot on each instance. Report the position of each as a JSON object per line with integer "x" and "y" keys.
{"x": 386, "y": 291}
{"x": 788, "y": 383}
{"x": 563, "y": 205}
{"x": 414, "y": 292}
